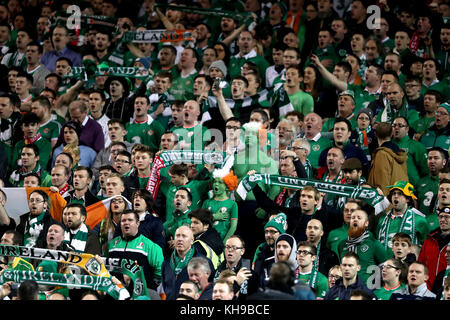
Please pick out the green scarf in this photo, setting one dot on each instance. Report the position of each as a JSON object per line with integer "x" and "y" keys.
{"x": 157, "y": 36}
{"x": 389, "y": 114}
{"x": 368, "y": 195}
{"x": 168, "y": 158}
{"x": 77, "y": 240}
{"x": 206, "y": 12}
{"x": 177, "y": 264}
{"x": 407, "y": 226}
{"x": 36, "y": 225}
{"x": 136, "y": 273}
{"x": 363, "y": 141}
{"x": 67, "y": 280}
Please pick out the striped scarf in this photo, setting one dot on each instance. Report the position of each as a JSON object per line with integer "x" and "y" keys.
{"x": 36, "y": 225}
{"x": 363, "y": 141}
{"x": 77, "y": 239}
{"x": 353, "y": 243}
{"x": 408, "y": 226}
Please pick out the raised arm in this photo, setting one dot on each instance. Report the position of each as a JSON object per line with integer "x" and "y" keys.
{"x": 338, "y": 84}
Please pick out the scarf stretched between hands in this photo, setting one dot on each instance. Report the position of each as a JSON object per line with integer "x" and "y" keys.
{"x": 157, "y": 36}
{"x": 205, "y": 12}
{"x": 104, "y": 284}
{"x": 368, "y": 195}
{"x": 85, "y": 261}
{"x": 86, "y": 20}
{"x": 353, "y": 243}
{"x": 168, "y": 158}
{"x": 407, "y": 226}
{"x": 130, "y": 72}
{"x": 78, "y": 241}
{"x": 136, "y": 273}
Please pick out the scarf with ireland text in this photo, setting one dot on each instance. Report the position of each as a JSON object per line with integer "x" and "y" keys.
{"x": 77, "y": 239}
{"x": 36, "y": 225}
{"x": 104, "y": 284}
{"x": 353, "y": 243}
{"x": 408, "y": 226}
{"x": 136, "y": 273}
{"x": 368, "y": 195}
{"x": 177, "y": 264}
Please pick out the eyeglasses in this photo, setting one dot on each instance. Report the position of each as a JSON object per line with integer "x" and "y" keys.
{"x": 388, "y": 266}
{"x": 334, "y": 276}
{"x": 270, "y": 231}
{"x": 122, "y": 161}
{"x": 232, "y": 128}
{"x": 303, "y": 252}
{"x": 117, "y": 201}
{"x": 439, "y": 113}
{"x": 364, "y": 118}
{"x": 395, "y": 125}
{"x": 298, "y": 148}
{"x": 35, "y": 200}
{"x": 232, "y": 248}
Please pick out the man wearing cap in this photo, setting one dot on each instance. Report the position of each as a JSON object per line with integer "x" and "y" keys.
{"x": 345, "y": 109}
{"x": 438, "y": 135}
{"x": 416, "y": 162}
{"x": 434, "y": 247}
{"x": 428, "y": 186}
{"x": 402, "y": 217}
{"x": 352, "y": 169}
{"x": 265, "y": 253}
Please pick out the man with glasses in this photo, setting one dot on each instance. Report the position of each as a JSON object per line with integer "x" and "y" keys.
{"x": 302, "y": 149}
{"x": 334, "y": 275}
{"x": 307, "y": 270}
{"x": 438, "y": 135}
{"x": 122, "y": 163}
{"x": 433, "y": 251}
{"x": 416, "y": 163}
{"x": 417, "y": 276}
{"x": 246, "y": 281}
{"x": 233, "y": 140}
{"x": 350, "y": 266}
{"x": 35, "y": 223}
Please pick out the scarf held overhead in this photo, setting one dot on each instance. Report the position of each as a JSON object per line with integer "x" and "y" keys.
{"x": 368, "y": 195}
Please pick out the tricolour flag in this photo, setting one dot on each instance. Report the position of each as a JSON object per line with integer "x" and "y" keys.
{"x": 17, "y": 202}
{"x": 97, "y": 212}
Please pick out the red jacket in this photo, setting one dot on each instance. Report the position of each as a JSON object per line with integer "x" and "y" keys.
{"x": 433, "y": 258}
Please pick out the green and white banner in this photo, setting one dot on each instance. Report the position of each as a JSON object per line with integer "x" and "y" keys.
{"x": 368, "y": 195}
{"x": 104, "y": 284}
{"x": 130, "y": 72}
{"x": 156, "y": 36}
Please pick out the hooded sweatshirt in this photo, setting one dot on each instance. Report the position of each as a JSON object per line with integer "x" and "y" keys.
{"x": 388, "y": 166}
{"x": 293, "y": 254}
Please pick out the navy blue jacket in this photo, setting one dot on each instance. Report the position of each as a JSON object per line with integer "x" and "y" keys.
{"x": 151, "y": 227}
{"x": 350, "y": 151}
{"x": 171, "y": 283}
{"x": 340, "y": 292}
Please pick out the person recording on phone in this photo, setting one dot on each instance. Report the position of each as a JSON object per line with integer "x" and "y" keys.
{"x": 246, "y": 281}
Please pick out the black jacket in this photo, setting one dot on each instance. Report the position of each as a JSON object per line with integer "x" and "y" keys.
{"x": 212, "y": 238}
{"x": 341, "y": 292}
{"x": 24, "y": 225}
{"x": 89, "y": 198}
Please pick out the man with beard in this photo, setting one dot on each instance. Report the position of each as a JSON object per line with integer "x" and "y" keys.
{"x": 265, "y": 253}
{"x": 160, "y": 101}
{"x": 82, "y": 178}
{"x": 166, "y": 62}
{"x": 428, "y": 186}
{"x": 402, "y": 217}
{"x": 351, "y": 280}
{"x": 286, "y": 134}
{"x": 361, "y": 242}
{"x": 144, "y": 129}
{"x": 77, "y": 233}
{"x": 326, "y": 258}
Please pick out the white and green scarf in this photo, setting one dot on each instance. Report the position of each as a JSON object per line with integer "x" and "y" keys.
{"x": 156, "y": 36}
{"x": 368, "y": 195}
{"x": 77, "y": 239}
{"x": 35, "y": 226}
{"x": 103, "y": 284}
{"x": 407, "y": 226}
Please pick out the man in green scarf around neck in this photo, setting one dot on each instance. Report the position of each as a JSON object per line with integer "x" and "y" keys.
{"x": 402, "y": 217}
